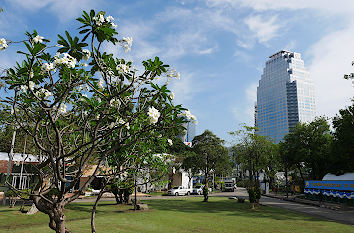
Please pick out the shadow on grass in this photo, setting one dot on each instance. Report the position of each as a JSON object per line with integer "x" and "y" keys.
{"x": 103, "y": 207}
{"x": 229, "y": 208}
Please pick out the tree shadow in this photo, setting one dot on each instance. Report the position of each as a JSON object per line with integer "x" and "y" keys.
{"x": 229, "y": 208}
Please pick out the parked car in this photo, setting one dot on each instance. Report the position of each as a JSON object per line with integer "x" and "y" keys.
{"x": 179, "y": 190}
{"x": 229, "y": 186}
{"x": 199, "y": 189}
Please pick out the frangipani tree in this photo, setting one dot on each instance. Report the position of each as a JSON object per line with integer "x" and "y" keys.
{"x": 84, "y": 106}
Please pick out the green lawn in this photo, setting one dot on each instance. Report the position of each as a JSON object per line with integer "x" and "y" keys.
{"x": 174, "y": 215}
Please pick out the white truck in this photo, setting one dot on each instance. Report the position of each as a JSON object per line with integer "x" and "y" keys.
{"x": 229, "y": 186}
{"x": 179, "y": 190}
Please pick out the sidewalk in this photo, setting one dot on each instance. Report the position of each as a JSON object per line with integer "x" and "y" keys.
{"x": 334, "y": 212}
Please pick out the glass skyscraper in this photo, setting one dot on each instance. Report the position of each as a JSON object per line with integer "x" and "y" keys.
{"x": 285, "y": 95}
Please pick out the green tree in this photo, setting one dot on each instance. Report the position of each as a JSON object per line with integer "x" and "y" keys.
{"x": 80, "y": 112}
{"x": 255, "y": 153}
{"x": 343, "y": 142}
{"x": 210, "y": 155}
{"x": 308, "y": 145}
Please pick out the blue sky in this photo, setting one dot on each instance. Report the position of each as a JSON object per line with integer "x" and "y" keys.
{"x": 219, "y": 47}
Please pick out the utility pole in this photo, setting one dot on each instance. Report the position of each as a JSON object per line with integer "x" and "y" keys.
{"x": 11, "y": 155}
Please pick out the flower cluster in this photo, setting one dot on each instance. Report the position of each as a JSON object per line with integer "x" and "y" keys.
{"x": 189, "y": 116}
{"x": 41, "y": 93}
{"x": 115, "y": 102}
{"x": 126, "y": 43}
{"x": 3, "y": 44}
{"x": 170, "y": 142}
{"x": 122, "y": 68}
{"x": 64, "y": 59}
{"x": 100, "y": 84}
{"x": 44, "y": 93}
{"x": 87, "y": 54}
{"x": 38, "y": 39}
{"x": 100, "y": 20}
{"x": 48, "y": 67}
{"x": 154, "y": 115}
{"x": 172, "y": 73}
{"x": 172, "y": 96}
{"x": 62, "y": 108}
{"x": 120, "y": 122}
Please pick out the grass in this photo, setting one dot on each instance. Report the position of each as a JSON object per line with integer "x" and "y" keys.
{"x": 174, "y": 215}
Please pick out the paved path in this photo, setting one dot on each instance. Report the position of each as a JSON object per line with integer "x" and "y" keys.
{"x": 346, "y": 217}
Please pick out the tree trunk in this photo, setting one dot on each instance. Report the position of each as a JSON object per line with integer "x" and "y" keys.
{"x": 59, "y": 219}
{"x": 93, "y": 212}
{"x": 206, "y": 187}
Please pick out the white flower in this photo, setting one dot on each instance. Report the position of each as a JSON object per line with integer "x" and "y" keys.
{"x": 87, "y": 54}
{"x": 112, "y": 125}
{"x": 31, "y": 85}
{"x": 98, "y": 117}
{"x": 170, "y": 142}
{"x": 172, "y": 73}
{"x": 101, "y": 18}
{"x": 24, "y": 88}
{"x": 100, "y": 84}
{"x": 62, "y": 108}
{"x": 38, "y": 39}
{"x": 109, "y": 18}
{"x": 127, "y": 43}
{"x": 154, "y": 115}
{"x": 45, "y": 92}
{"x": 31, "y": 74}
{"x": 127, "y": 126}
{"x": 188, "y": 114}
{"x": 99, "y": 100}
{"x": 64, "y": 59}
{"x": 172, "y": 96}
{"x": 47, "y": 67}
{"x": 115, "y": 102}
{"x": 85, "y": 113}
{"x": 114, "y": 25}
{"x": 122, "y": 68}
{"x": 194, "y": 118}
{"x": 82, "y": 97}
{"x": 3, "y": 44}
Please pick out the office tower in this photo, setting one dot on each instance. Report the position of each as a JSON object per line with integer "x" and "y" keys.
{"x": 285, "y": 95}
{"x": 189, "y": 132}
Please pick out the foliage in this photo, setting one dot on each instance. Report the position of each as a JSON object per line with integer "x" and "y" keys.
{"x": 256, "y": 154}
{"x": 343, "y": 142}
{"x": 309, "y": 145}
{"x": 210, "y": 156}
{"x": 80, "y": 113}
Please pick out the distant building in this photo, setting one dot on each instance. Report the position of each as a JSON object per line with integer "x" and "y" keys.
{"x": 189, "y": 132}
{"x": 285, "y": 95}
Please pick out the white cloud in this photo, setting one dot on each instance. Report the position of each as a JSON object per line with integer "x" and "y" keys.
{"x": 263, "y": 29}
{"x": 332, "y": 58}
{"x": 184, "y": 88}
{"x": 243, "y": 112}
{"x": 65, "y": 10}
{"x": 327, "y": 6}
{"x": 290, "y": 46}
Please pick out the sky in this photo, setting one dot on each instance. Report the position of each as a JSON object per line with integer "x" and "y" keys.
{"x": 219, "y": 46}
